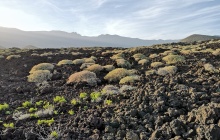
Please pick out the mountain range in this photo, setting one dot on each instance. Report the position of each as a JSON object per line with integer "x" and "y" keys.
{"x": 11, "y": 37}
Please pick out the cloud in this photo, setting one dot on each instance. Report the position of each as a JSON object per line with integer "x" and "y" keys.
{"x": 146, "y": 19}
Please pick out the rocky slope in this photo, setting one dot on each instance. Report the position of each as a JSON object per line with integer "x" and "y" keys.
{"x": 183, "y": 105}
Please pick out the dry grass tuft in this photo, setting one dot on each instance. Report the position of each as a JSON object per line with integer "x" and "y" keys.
{"x": 78, "y": 61}
{"x": 143, "y": 61}
{"x": 156, "y": 64}
{"x": 83, "y": 76}
{"x": 167, "y": 70}
{"x": 96, "y": 68}
{"x": 39, "y": 76}
{"x": 210, "y": 68}
{"x": 129, "y": 79}
{"x": 139, "y": 56}
{"x": 12, "y": 56}
{"x": 123, "y": 63}
{"x": 117, "y": 74}
{"x": 42, "y": 66}
{"x": 172, "y": 59}
{"x": 109, "y": 67}
{"x": 65, "y": 62}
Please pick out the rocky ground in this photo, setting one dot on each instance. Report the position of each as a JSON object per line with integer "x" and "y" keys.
{"x": 183, "y": 105}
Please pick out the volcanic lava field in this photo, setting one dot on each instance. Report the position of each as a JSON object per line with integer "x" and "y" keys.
{"x": 159, "y": 92}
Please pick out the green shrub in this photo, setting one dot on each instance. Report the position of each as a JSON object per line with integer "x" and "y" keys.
{"x": 129, "y": 79}
{"x": 172, "y": 59}
{"x": 118, "y": 56}
{"x": 156, "y": 64}
{"x": 12, "y": 56}
{"x": 167, "y": 70}
{"x": 139, "y": 56}
{"x": 123, "y": 63}
{"x": 153, "y": 55}
{"x": 96, "y": 68}
{"x": 40, "y": 76}
{"x": 110, "y": 89}
{"x": 89, "y": 60}
{"x": 42, "y": 66}
{"x": 78, "y": 61}
{"x": 109, "y": 67}
{"x": 86, "y": 65}
{"x": 65, "y": 62}
{"x": 117, "y": 74}
{"x": 83, "y": 76}
{"x": 210, "y": 68}
{"x": 150, "y": 72}
{"x": 143, "y": 61}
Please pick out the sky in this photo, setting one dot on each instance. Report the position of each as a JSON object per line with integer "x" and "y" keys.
{"x": 145, "y": 19}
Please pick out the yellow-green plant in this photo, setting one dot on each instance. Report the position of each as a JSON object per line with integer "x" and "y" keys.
{"x": 54, "y": 134}
{"x": 95, "y": 96}
{"x": 71, "y": 112}
{"x": 46, "y": 105}
{"x": 8, "y": 125}
{"x": 74, "y": 102}
{"x": 39, "y": 103}
{"x": 26, "y": 104}
{"x": 4, "y": 106}
{"x": 59, "y": 99}
{"x": 83, "y": 95}
{"x": 32, "y": 109}
{"x": 108, "y": 102}
{"x": 47, "y": 122}
{"x": 34, "y": 115}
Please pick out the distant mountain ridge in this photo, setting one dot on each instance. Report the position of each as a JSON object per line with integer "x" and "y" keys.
{"x": 198, "y": 37}
{"x": 11, "y": 37}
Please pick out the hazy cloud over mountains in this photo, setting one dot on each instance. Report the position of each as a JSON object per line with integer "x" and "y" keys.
{"x": 56, "y": 39}
{"x": 146, "y": 19}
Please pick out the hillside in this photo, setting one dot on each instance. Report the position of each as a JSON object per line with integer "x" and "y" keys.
{"x": 100, "y": 93}
{"x": 198, "y": 37}
{"x": 10, "y": 37}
